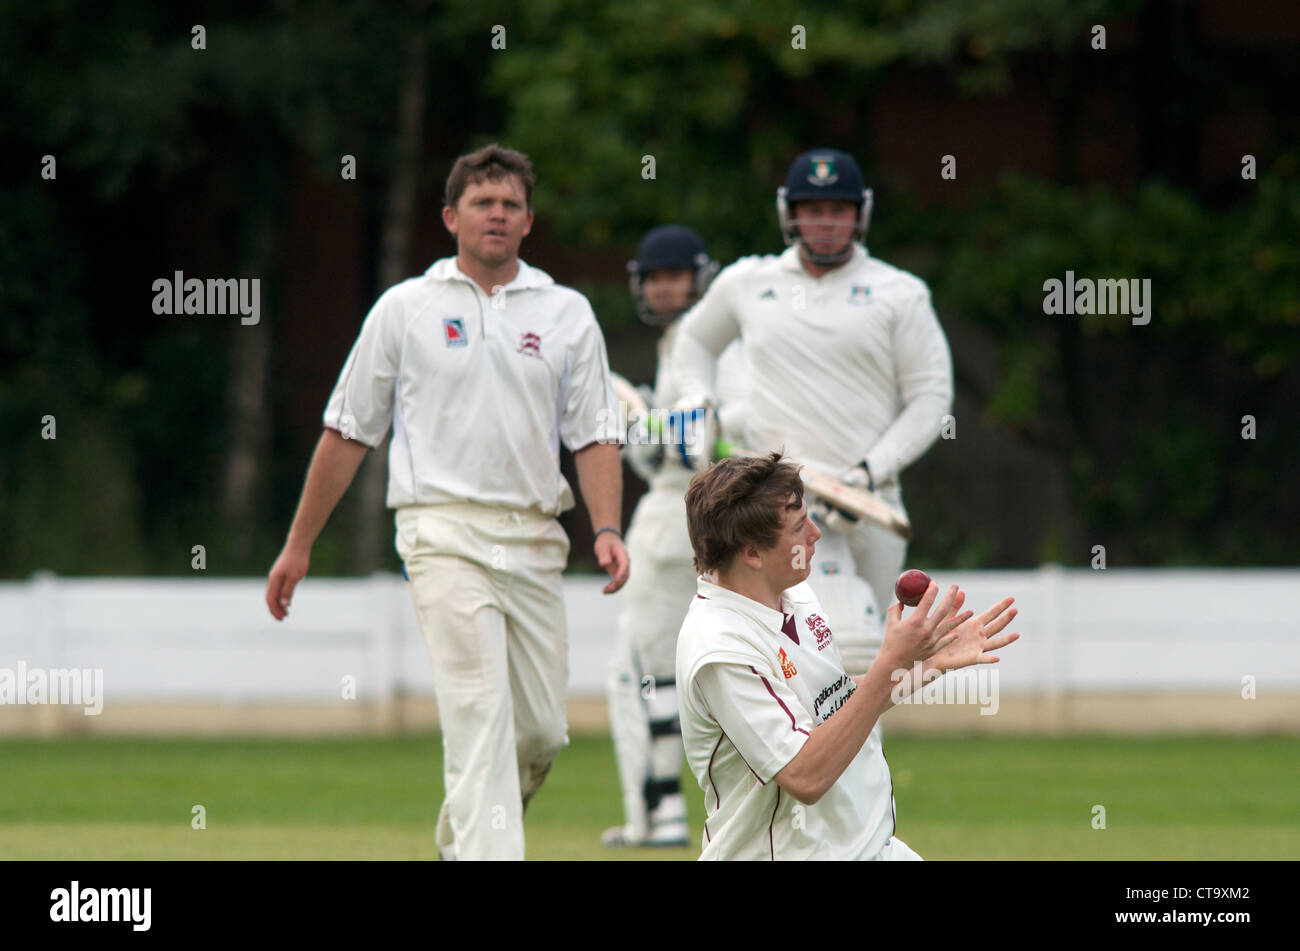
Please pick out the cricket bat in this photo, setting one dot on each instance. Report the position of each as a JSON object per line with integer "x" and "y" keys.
{"x": 856, "y": 501}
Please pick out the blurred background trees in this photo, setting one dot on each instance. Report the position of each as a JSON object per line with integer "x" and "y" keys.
{"x": 1125, "y": 161}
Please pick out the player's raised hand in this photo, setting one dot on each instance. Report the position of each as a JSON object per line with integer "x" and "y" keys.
{"x": 943, "y": 632}
{"x": 926, "y": 630}
{"x": 288, "y": 570}
{"x": 974, "y": 640}
{"x": 612, "y": 557}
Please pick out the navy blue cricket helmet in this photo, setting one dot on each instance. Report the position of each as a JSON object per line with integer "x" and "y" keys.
{"x": 822, "y": 174}
{"x": 669, "y": 247}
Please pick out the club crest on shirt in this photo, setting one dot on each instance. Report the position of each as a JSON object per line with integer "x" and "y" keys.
{"x": 820, "y": 628}
{"x": 453, "y": 329}
{"x": 860, "y": 294}
{"x": 530, "y": 344}
{"x": 787, "y": 668}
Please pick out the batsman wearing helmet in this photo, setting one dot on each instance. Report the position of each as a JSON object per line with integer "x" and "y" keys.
{"x": 670, "y": 272}
{"x": 856, "y": 371}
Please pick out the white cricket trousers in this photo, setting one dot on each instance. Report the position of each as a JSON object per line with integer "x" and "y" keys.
{"x": 486, "y": 583}
{"x": 880, "y": 553}
{"x": 854, "y": 554}
{"x": 848, "y": 600}
{"x": 642, "y": 694}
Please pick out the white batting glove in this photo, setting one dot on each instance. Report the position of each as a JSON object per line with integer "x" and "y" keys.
{"x": 694, "y": 424}
{"x": 828, "y": 517}
{"x": 645, "y": 459}
{"x": 833, "y": 518}
{"x": 731, "y": 421}
{"x": 859, "y": 477}
{"x": 643, "y": 450}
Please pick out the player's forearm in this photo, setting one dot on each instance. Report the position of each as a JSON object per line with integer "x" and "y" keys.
{"x": 600, "y": 477}
{"x": 905, "y": 679}
{"x": 333, "y": 466}
{"x": 908, "y": 437}
{"x": 835, "y": 742}
{"x": 694, "y": 366}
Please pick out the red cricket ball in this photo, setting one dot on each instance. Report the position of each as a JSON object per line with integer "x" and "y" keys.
{"x": 910, "y": 587}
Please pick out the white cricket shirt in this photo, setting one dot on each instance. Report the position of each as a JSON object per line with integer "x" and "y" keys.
{"x": 849, "y": 366}
{"x": 752, "y": 684}
{"x": 479, "y": 390}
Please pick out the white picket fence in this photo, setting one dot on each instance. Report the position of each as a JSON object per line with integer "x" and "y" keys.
{"x": 1119, "y": 631}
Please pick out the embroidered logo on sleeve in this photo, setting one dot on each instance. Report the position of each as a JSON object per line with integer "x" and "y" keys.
{"x": 819, "y": 627}
{"x": 787, "y": 668}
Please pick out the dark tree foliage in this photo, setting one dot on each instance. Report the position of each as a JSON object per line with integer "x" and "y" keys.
{"x": 1071, "y": 431}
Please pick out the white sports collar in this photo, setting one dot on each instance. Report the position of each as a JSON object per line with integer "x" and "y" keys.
{"x": 446, "y": 269}
{"x": 790, "y": 260}
{"x": 773, "y": 620}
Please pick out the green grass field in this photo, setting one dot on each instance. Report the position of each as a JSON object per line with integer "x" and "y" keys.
{"x": 377, "y": 798}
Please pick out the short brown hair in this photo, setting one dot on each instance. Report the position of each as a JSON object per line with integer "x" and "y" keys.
{"x": 491, "y": 162}
{"x": 738, "y": 502}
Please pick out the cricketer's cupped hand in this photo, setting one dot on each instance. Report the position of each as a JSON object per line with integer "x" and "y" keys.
{"x": 612, "y": 557}
{"x": 288, "y": 570}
